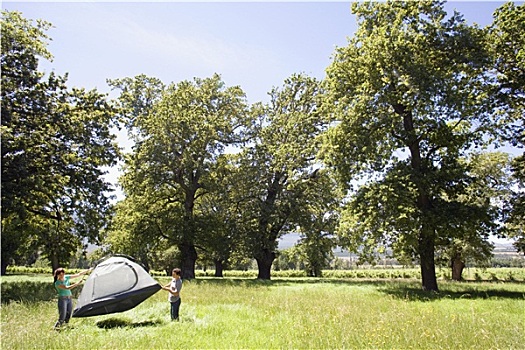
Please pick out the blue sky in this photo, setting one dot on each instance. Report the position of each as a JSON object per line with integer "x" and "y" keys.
{"x": 252, "y": 44}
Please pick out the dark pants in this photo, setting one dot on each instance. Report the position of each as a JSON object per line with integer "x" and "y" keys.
{"x": 65, "y": 307}
{"x": 175, "y": 306}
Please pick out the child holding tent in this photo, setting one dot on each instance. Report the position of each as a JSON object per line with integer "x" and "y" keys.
{"x": 174, "y": 288}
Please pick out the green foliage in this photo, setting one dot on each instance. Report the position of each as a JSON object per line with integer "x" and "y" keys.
{"x": 507, "y": 45}
{"x": 27, "y": 291}
{"x": 55, "y": 144}
{"x": 515, "y": 209}
{"x": 407, "y": 95}
{"x": 405, "y": 102}
{"x": 24, "y": 288}
{"x": 281, "y": 188}
{"x": 507, "y": 42}
{"x": 180, "y": 132}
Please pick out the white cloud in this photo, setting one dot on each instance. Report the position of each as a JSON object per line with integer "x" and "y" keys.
{"x": 201, "y": 53}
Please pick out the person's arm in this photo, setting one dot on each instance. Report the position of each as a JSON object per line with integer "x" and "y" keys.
{"x": 80, "y": 273}
{"x": 168, "y": 288}
{"x": 71, "y": 286}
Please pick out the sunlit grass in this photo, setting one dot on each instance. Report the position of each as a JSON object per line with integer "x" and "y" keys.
{"x": 290, "y": 313}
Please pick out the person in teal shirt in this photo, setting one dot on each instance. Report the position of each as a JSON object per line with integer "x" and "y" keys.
{"x": 63, "y": 288}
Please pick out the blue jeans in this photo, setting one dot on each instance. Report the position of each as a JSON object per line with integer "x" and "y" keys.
{"x": 65, "y": 308}
{"x": 175, "y": 306}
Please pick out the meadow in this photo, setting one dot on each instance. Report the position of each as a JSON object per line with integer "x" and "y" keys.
{"x": 299, "y": 313}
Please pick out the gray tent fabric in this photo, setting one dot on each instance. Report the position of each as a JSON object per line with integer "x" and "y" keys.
{"x": 115, "y": 285}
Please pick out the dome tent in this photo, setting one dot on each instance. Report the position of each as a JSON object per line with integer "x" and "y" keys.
{"x": 115, "y": 285}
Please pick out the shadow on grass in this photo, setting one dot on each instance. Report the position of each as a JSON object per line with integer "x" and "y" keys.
{"x": 284, "y": 281}
{"x": 116, "y": 322}
{"x": 464, "y": 292}
{"x": 407, "y": 289}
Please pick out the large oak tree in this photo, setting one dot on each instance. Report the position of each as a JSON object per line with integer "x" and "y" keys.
{"x": 180, "y": 131}
{"x": 279, "y": 166}
{"x": 408, "y": 99}
{"x": 56, "y": 145}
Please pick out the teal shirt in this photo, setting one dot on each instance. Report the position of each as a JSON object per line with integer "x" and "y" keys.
{"x": 63, "y": 292}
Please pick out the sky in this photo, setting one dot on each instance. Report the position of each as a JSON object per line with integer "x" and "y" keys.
{"x": 252, "y": 44}
{"x": 255, "y": 45}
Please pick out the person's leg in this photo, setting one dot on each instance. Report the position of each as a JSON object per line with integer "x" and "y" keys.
{"x": 176, "y": 308}
{"x": 62, "y": 308}
{"x": 69, "y": 309}
{"x": 172, "y": 310}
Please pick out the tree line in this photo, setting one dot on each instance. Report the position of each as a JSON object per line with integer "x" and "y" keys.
{"x": 395, "y": 150}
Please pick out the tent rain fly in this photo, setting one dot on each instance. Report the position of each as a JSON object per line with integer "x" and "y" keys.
{"x": 115, "y": 285}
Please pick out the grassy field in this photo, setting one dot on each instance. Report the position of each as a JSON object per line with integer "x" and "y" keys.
{"x": 290, "y": 313}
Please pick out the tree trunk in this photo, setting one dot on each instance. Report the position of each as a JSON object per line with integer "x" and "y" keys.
{"x": 428, "y": 267}
{"x": 188, "y": 259}
{"x": 218, "y": 268}
{"x": 54, "y": 261}
{"x": 317, "y": 271}
{"x": 264, "y": 264}
{"x": 457, "y": 268}
{"x": 426, "y": 244}
{"x": 3, "y": 270}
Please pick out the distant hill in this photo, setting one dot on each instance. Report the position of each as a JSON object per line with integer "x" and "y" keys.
{"x": 501, "y": 247}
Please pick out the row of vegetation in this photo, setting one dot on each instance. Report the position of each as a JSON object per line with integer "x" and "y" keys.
{"x": 389, "y": 153}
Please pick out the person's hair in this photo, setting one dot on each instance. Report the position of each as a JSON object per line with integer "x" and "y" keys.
{"x": 176, "y": 271}
{"x": 58, "y": 272}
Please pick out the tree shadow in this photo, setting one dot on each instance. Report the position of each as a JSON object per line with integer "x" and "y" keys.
{"x": 406, "y": 289}
{"x": 411, "y": 293}
{"x": 116, "y": 322}
{"x": 287, "y": 281}
{"x": 249, "y": 282}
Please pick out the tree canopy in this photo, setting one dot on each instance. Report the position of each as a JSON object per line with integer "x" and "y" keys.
{"x": 56, "y": 144}
{"x": 507, "y": 42}
{"x": 389, "y": 153}
{"x": 407, "y": 94}
{"x": 180, "y": 131}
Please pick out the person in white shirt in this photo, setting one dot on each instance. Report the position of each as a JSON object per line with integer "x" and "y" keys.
{"x": 174, "y": 288}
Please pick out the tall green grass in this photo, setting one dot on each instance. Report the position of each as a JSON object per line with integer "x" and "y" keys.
{"x": 290, "y": 313}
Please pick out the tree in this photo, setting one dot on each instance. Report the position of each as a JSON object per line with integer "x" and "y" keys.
{"x": 317, "y": 242}
{"x": 484, "y": 198}
{"x": 181, "y": 130}
{"x": 506, "y": 42}
{"x": 516, "y": 210}
{"x": 288, "y": 259}
{"x": 317, "y": 222}
{"x": 221, "y": 215}
{"x": 139, "y": 229}
{"x": 507, "y": 45}
{"x": 407, "y": 95}
{"x": 55, "y": 145}
{"x": 279, "y": 165}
